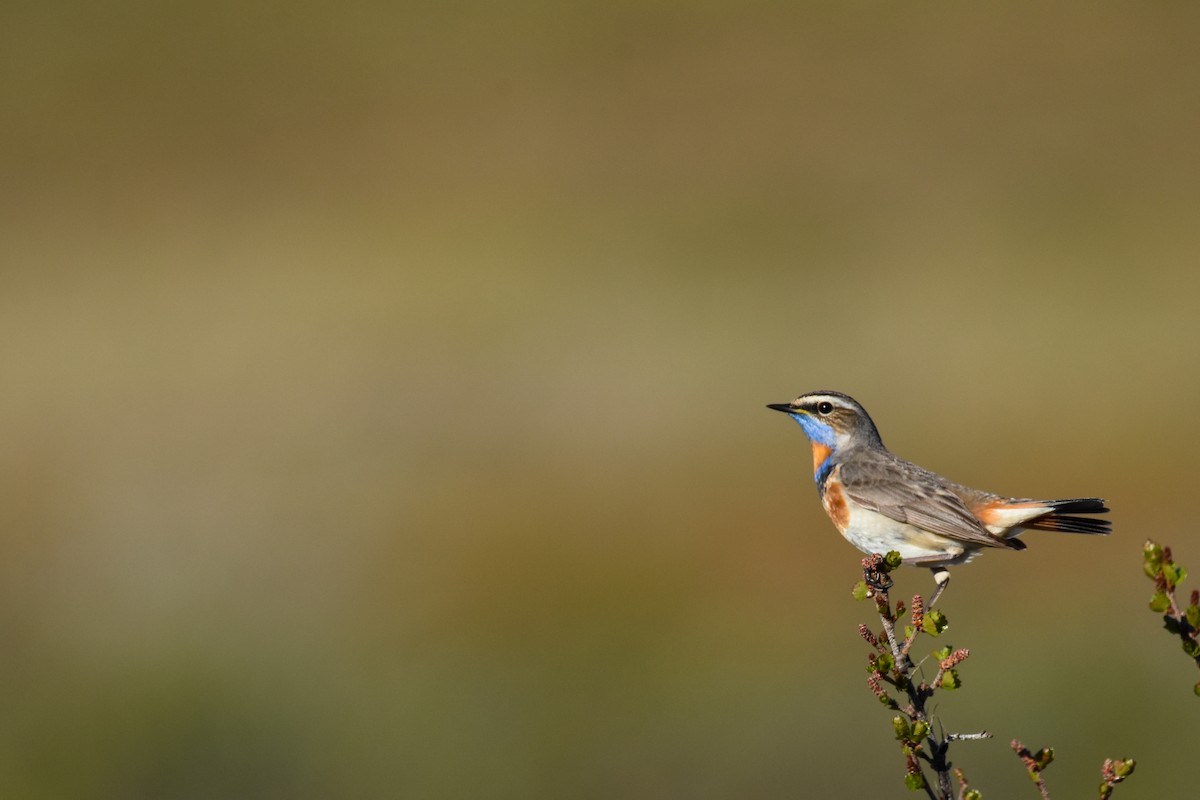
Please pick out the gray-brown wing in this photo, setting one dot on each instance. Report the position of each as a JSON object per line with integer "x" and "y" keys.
{"x": 906, "y": 493}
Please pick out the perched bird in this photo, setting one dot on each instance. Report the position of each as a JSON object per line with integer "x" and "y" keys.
{"x": 881, "y": 502}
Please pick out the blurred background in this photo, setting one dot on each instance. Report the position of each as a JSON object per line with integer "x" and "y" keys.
{"x": 383, "y": 389}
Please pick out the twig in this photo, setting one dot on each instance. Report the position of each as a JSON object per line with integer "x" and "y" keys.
{"x": 890, "y": 664}
{"x": 1159, "y": 565}
{"x": 1113, "y": 772}
{"x": 1035, "y": 763}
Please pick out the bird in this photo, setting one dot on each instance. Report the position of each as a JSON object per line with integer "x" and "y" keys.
{"x": 879, "y": 502}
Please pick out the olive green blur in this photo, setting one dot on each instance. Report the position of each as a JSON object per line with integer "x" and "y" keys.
{"x": 382, "y": 392}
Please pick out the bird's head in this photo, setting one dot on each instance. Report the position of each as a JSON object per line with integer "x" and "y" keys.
{"x": 831, "y": 419}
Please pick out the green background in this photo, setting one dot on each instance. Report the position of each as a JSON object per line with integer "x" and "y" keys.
{"x": 382, "y": 386}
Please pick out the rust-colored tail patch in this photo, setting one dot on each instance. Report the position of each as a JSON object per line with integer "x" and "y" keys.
{"x": 1065, "y": 524}
{"x": 1002, "y": 513}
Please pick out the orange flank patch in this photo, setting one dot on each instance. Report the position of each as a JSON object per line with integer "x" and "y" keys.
{"x": 820, "y": 453}
{"x": 834, "y": 501}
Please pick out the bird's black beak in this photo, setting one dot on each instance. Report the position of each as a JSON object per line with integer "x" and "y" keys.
{"x": 784, "y": 407}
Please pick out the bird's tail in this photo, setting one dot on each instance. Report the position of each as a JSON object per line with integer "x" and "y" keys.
{"x": 1060, "y": 516}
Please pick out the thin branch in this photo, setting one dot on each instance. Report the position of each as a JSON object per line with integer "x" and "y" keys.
{"x": 1035, "y": 763}
{"x": 892, "y": 665}
{"x": 1159, "y": 565}
{"x": 923, "y": 741}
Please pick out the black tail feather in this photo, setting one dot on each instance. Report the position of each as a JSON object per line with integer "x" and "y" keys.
{"x": 1053, "y": 522}
{"x": 1059, "y": 518}
{"x": 1078, "y": 505}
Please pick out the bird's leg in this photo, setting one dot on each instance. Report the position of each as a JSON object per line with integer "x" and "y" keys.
{"x": 941, "y": 576}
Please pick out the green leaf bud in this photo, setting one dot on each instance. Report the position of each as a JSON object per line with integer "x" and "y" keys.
{"x": 1160, "y": 602}
{"x": 1152, "y": 551}
{"x": 1173, "y": 574}
{"x": 935, "y": 622}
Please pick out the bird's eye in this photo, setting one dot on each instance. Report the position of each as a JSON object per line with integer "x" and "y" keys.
{"x": 824, "y": 407}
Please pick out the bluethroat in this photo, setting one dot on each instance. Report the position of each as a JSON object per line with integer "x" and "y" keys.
{"x": 881, "y": 502}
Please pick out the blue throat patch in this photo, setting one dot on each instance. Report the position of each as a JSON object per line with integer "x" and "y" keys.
{"x": 815, "y": 430}
{"x": 821, "y": 433}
